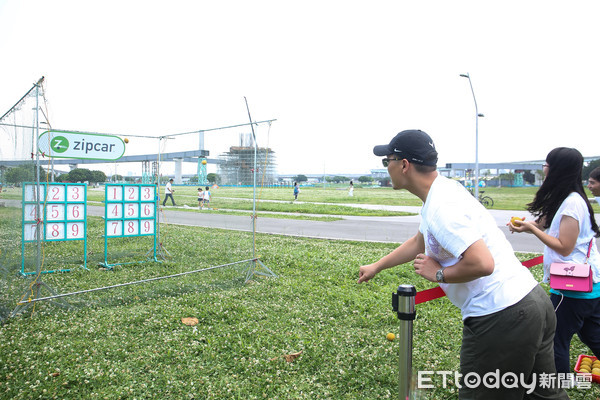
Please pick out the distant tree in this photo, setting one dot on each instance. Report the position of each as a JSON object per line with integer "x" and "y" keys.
{"x": 23, "y": 173}
{"x": 212, "y": 177}
{"x": 365, "y": 179}
{"x": 116, "y": 178}
{"x": 529, "y": 177}
{"x": 340, "y": 179}
{"x": 301, "y": 178}
{"x": 589, "y": 167}
{"x": 509, "y": 176}
{"x": 20, "y": 174}
{"x": 80, "y": 175}
{"x": 98, "y": 176}
{"x": 385, "y": 182}
{"x": 62, "y": 177}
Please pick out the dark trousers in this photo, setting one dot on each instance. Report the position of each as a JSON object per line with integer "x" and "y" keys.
{"x": 167, "y": 196}
{"x": 575, "y": 316}
{"x": 517, "y": 340}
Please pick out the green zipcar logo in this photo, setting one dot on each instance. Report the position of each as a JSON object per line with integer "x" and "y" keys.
{"x": 59, "y": 144}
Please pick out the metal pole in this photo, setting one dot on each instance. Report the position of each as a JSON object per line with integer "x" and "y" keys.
{"x": 157, "y": 210}
{"x": 477, "y": 115}
{"x": 403, "y": 303}
{"x": 254, "y": 185}
{"x": 35, "y": 86}
{"x": 252, "y": 270}
{"x": 40, "y": 227}
{"x": 158, "y": 278}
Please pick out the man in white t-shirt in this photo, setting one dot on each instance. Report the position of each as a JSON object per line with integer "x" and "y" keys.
{"x": 508, "y": 319}
{"x": 169, "y": 192}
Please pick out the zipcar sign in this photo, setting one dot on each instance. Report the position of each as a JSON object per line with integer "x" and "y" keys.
{"x": 87, "y": 146}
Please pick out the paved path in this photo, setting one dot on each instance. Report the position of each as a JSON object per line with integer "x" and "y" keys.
{"x": 375, "y": 229}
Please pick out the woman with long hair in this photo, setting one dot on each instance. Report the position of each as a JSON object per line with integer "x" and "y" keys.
{"x": 564, "y": 222}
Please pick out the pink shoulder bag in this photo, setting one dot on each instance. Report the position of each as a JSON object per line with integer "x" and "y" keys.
{"x": 574, "y": 277}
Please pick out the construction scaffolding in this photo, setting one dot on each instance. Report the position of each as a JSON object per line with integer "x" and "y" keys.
{"x": 149, "y": 175}
{"x": 237, "y": 165}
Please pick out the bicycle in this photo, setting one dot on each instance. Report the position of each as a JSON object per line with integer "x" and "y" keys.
{"x": 486, "y": 201}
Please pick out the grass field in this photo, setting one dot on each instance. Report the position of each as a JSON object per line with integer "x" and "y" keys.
{"x": 130, "y": 342}
{"x": 318, "y": 200}
{"x": 504, "y": 198}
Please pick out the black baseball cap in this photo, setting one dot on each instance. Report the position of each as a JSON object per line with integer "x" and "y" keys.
{"x": 414, "y": 145}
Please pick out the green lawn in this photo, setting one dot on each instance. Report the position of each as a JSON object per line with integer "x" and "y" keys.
{"x": 130, "y": 342}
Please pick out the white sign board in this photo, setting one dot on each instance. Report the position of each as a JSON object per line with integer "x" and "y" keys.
{"x": 87, "y": 146}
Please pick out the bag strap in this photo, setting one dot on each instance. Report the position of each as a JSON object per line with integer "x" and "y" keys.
{"x": 589, "y": 250}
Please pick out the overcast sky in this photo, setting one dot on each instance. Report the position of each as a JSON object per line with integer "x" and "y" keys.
{"x": 339, "y": 76}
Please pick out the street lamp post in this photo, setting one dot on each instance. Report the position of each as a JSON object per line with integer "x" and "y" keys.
{"x": 477, "y": 115}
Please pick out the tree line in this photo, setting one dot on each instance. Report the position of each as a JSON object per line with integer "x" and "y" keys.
{"x": 26, "y": 173}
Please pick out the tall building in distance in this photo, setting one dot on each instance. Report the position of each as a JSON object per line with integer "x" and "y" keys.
{"x": 236, "y": 167}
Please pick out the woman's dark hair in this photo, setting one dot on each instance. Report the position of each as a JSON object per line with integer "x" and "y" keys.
{"x": 564, "y": 177}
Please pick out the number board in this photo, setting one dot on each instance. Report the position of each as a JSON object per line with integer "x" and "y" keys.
{"x": 130, "y": 210}
{"x": 60, "y": 208}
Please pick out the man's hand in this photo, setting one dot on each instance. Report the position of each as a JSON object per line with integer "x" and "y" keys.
{"x": 366, "y": 272}
{"x": 426, "y": 266}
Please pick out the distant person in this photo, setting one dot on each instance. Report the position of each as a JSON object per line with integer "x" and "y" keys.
{"x": 206, "y": 200}
{"x": 296, "y": 190}
{"x": 565, "y": 224}
{"x": 351, "y": 189}
{"x": 508, "y": 320}
{"x": 169, "y": 192}
{"x": 593, "y": 184}
{"x": 200, "y": 198}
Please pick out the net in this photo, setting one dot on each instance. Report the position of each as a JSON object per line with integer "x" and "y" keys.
{"x": 203, "y": 241}
{"x": 19, "y": 127}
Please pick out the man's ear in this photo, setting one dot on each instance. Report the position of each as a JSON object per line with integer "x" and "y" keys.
{"x": 405, "y": 164}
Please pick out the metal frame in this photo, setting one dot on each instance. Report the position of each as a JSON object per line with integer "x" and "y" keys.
{"x": 137, "y": 203}
{"x": 477, "y": 115}
{"x": 42, "y": 221}
{"x": 33, "y": 292}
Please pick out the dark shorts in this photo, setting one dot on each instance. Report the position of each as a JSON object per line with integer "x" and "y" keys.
{"x": 517, "y": 341}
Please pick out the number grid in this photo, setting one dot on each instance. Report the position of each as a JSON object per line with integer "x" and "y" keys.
{"x": 56, "y": 212}
{"x": 129, "y": 210}
{"x": 63, "y": 207}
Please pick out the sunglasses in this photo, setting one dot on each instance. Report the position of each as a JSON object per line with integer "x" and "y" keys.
{"x": 386, "y": 161}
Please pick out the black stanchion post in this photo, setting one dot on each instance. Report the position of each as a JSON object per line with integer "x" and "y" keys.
{"x": 403, "y": 303}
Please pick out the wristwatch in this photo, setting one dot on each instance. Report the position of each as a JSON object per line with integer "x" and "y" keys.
{"x": 439, "y": 275}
